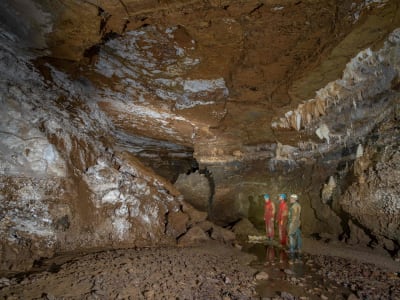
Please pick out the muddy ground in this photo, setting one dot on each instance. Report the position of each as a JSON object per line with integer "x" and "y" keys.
{"x": 210, "y": 271}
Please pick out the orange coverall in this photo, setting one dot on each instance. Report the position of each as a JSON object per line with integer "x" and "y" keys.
{"x": 269, "y": 216}
{"x": 282, "y": 219}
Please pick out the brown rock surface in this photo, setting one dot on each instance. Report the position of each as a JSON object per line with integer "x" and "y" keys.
{"x": 195, "y": 216}
{"x": 193, "y": 236}
{"x": 244, "y": 228}
{"x": 177, "y": 223}
{"x": 222, "y": 234}
{"x": 195, "y": 188}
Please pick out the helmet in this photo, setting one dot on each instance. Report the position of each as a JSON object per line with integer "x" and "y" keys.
{"x": 294, "y": 196}
{"x": 283, "y": 196}
{"x": 266, "y": 196}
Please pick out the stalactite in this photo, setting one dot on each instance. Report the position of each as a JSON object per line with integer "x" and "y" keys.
{"x": 323, "y": 132}
{"x": 298, "y": 121}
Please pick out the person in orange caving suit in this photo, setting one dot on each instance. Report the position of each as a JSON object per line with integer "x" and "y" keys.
{"x": 269, "y": 217}
{"x": 282, "y": 219}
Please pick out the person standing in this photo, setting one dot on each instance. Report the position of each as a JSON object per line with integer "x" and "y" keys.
{"x": 269, "y": 217}
{"x": 282, "y": 219}
{"x": 294, "y": 232}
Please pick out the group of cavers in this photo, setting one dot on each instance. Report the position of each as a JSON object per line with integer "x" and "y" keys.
{"x": 287, "y": 219}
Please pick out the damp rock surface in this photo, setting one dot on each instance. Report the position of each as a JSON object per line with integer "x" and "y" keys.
{"x": 325, "y": 271}
{"x": 213, "y": 271}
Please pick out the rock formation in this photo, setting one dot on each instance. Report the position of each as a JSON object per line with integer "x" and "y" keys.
{"x": 105, "y": 104}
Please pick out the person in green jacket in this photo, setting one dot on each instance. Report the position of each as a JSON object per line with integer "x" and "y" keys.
{"x": 294, "y": 232}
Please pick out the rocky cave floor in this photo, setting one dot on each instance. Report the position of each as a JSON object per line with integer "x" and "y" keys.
{"x": 210, "y": 271}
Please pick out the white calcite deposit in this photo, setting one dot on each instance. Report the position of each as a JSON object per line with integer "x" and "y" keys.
{"x": 367, "y": 75}
{"x": 61, "y": 187}
{"x": 154, "y": 85}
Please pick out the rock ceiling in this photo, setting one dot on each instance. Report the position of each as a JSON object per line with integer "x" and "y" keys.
{"x": 212, "y": 72}
{"x": 106, "y": 102}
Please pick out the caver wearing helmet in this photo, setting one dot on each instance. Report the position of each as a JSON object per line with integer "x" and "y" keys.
{"x": 269, "y": 217}
{"x": 294, "y": 232}
{"x": 282, "y": 219}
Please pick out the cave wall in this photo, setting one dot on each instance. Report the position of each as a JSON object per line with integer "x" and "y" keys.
{"x": 372, "y": 200}
{"x": 62, "y": 186}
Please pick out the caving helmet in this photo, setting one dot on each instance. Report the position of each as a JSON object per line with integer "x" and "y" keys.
{"x": 283, "y": 196}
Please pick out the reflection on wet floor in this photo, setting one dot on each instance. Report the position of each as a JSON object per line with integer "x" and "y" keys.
{"x": 289, "y": 276}
{"x": 270, "y": 254}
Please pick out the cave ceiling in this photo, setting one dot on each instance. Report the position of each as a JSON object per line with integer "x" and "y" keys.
{"x": 209, "y": 75}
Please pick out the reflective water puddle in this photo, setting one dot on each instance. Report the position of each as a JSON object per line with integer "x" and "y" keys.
{"x": 291, "y": 277}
